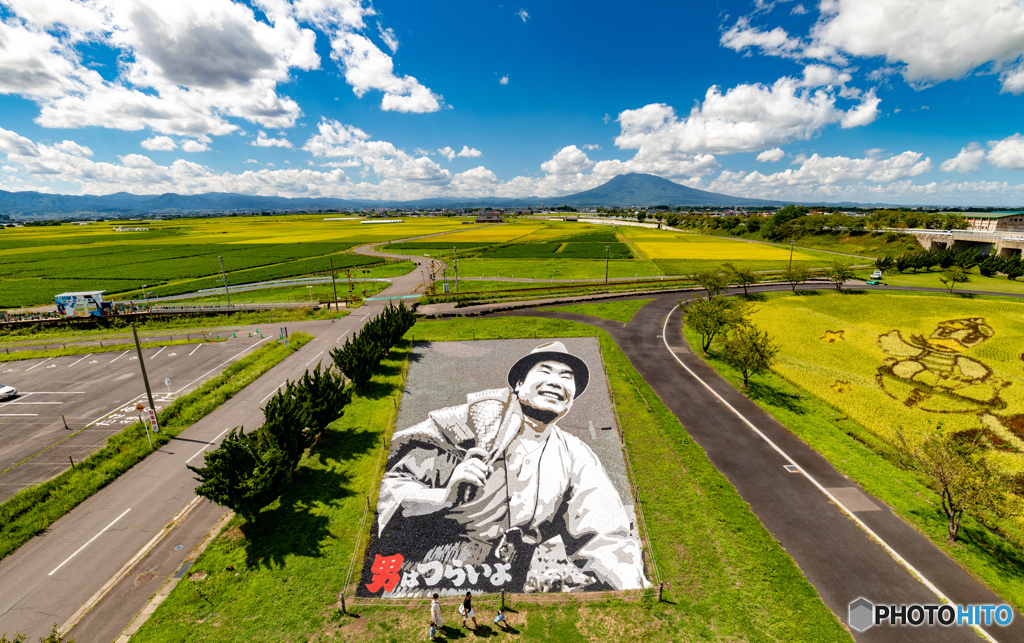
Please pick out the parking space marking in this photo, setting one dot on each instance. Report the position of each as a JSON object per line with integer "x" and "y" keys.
{"x": 80, "y": 360}
{"x": 235, "y": 356}
{"x": 119, "y": 357}
{"x": 39, "y": 364}
{"x": 198, "y": 346}
{"x": 158, "y": 352}
{"x": 18, "y": 415}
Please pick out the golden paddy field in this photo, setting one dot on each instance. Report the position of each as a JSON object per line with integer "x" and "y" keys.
{"x": 912, "y": 361}
{"x": 679, "y": 245}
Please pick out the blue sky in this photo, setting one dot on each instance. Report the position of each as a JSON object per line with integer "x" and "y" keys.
{"x": 895, "y": 101}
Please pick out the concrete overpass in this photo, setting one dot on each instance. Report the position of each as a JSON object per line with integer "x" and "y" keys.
{"x": 1000, "y": 243}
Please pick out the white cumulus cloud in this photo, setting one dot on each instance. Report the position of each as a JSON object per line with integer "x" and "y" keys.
{"x": 967, "y": 161}
{"x": 1007, "y": 153}
{"x": 263, "y": 141}
{"x": 745, "y": 118}
{"x": 503, "y": 80}
{"x": 523, "y": 15}
{"x": 772, "y": 155}
{"x": 568, "y": 160}
{"x": 368, "y": 68}
{"x": 469, "y": 152}
{"x": 163, "y": 143}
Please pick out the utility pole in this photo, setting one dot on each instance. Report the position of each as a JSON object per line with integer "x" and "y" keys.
{"x": 335, "y": 285}
{"x": 791, "y": 253}
{"x": 145, "y": 378}
{"x": 606, "y": 264}
{"x": 455, "y": 253}
{"x": 145, "y": 294}
{"x": 225, "y": 278}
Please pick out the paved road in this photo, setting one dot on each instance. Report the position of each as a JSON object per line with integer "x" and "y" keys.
{"x": 52, "y": 576}
{"x": 837, "y": 555}
{"x": 96, "y": 396}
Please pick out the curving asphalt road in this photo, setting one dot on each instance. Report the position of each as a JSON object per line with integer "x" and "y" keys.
{"x": 845, "y": 541}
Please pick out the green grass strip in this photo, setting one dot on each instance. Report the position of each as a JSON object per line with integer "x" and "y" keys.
{"x": 622, "y": 311}
{"x": 89, "y": 350}
{"x": 728, "y": 580}
{"x": 864, "y": 458}
{"x": 31, "y": 511}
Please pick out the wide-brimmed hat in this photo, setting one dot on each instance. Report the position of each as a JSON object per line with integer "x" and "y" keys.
{"x": 554, "y": 352}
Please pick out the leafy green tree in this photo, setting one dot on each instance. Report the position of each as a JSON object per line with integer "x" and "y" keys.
{"x": 640, "y": 216}
{"x": 749, "y": 350}
{"x": 247, "y": 472}
{"x": 884, "y": 263}
{"x": 288, "y": 417}
{"x": 326, "y": 395}
{"x": 713, "y": 317}
{"x": 953, "y": 276}
{"x": 743, "y": 276}
{"x": 990, "y": 265}
{"x": 838, "y": 273}
{"x": 712, "y": 281}
{"x": 961, "y": 474}
{"x": 795, "y": 275}
{"x": 1014, "y": 267}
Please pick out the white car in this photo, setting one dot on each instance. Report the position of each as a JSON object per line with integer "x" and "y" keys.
{"x": 7, "y": 392}
{"x": 876, "y": 274}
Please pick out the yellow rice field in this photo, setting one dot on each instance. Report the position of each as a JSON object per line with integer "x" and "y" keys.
{"x": 912, "y": 361}
{"x": 674, "y": 245}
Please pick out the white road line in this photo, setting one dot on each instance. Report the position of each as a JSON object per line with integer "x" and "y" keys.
{"x": 198, "y": 346}
{"x": 314, "y": 358}
{"x": 276, "y": 389}
{"x": 207, "y": 446}
{"x": 892, "y": 552}
{"x": 115, "y": 410}
{"x": 39, "y": 364}
{"x": 158, "y": 352}
{"x": 89, "y": 355}
{"x": 33, "y": 403}
{"x": 90, "y": 541}
{"x": 342, "y": 336}
{"x": 120, "y": 356}
{"x": 17, "y": 415}
{"x": 54, "y": 393}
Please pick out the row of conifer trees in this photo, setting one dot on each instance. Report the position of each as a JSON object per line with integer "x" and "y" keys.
{"x": 248, "y": 471}
{"x": 362, "y": 353}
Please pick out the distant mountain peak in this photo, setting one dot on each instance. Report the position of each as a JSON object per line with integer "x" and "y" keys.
{"x": 647, "y": 190}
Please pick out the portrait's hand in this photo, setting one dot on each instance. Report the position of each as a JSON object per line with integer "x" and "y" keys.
{"x": 472, "y": 471}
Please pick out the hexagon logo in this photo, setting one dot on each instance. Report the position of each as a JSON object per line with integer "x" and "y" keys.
{"x": 862, "y": 614}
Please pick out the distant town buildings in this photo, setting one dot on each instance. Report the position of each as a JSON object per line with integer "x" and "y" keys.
{"x": 131, "y": 229}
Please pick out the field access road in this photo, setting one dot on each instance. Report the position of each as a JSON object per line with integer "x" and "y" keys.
{"x": 95, "y": 395}
{"x": 102, "y": 546}
{"x": 832, "y": 529}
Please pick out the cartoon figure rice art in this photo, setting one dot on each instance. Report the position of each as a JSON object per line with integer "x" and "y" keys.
{"x": 932, "y": 373}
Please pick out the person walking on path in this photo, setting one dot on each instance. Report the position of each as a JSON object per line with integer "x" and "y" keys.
{"x": 436, "y": 620}
{"x": 466, "y": 609}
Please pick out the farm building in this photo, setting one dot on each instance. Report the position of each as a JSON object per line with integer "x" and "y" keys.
{"x": 489, "y": 217}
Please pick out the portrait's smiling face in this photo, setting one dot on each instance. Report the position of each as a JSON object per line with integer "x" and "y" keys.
{"x": 548, "y": 386}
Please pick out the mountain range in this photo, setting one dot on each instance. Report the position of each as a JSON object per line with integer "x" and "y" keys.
{"x": 626, "y": 190}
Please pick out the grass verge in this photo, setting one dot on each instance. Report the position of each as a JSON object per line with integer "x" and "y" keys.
{"x": 622, "y": 310}
{"x": 89, "y": 350}
{"x": 103, "y": 327}
{"x": 727, "y": 578}
{"x": 32, "y": 510}
{"x": 870, "y": 462}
